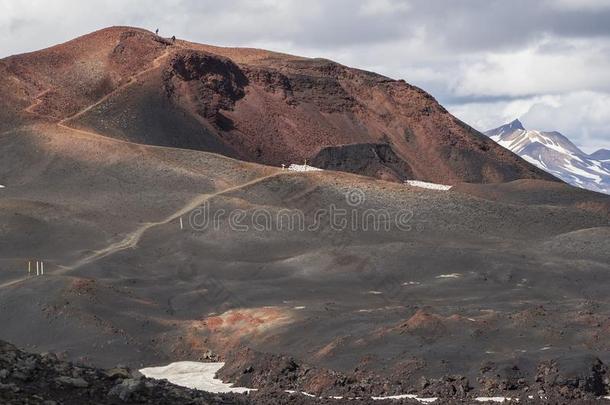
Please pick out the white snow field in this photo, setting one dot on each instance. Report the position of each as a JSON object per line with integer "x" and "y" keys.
{"x": 406, "y": 396}
{"x": 193, "y": 374}
{"x": 430, "y": 186}
{"x": 303, "y": 168}
{"x": 452, "y": 275}
{"x": 493, "y": 399}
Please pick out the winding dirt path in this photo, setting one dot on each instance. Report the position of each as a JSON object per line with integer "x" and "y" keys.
{"x": 132, "y": 79}
{"x": 37, "y": 101}
{"x": 132, "y": 239}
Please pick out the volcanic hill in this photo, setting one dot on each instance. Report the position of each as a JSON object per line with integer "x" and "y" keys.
{"x": 250, "y": 104}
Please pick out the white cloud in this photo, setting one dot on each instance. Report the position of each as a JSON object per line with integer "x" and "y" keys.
{"x": 488, "y": 115}
{"x": 579, "y": 4}
{"x": 549, "y": 66}
{"x": 380, "y": 7}
{"x": 582, "y": 116}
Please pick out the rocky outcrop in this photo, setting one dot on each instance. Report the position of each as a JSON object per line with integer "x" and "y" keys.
{"x": 44, "y": 379}
{"x": 253, "y": 369}
{"x": 211, "y": 83}
{"x": 369, "y": 159}
{"x": 574, "y": 377}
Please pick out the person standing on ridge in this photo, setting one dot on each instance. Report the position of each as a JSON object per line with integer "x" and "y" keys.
{"x": 157, "y": 31}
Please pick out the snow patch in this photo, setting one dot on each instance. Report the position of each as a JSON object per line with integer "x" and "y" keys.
{"x": 192, "y": 374}
{"x": 424, "y": 184}
{"x": 405, "y": 396}
{"x": 579, "y": 172}
{"x": 303, "y": 168}
{"x": 452, "y": 275}
{"x": 533, "y": 161}
{"x": 391, "y": 397}
{"x": 492, "y": 399}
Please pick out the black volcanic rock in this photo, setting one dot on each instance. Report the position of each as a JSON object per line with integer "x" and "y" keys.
{"x": 574, "y": 376}
{"x": 212, "y": 82}
{"x": 369, "y": 159}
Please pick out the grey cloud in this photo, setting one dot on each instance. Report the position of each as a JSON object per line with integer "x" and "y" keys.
{"x": 471, "y": 25}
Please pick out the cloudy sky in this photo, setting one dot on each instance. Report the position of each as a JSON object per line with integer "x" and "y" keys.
{"x": 546, "y": 62}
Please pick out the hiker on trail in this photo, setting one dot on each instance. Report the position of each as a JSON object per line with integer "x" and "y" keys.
{"x": 157, "y": 31}
{"x": 173, "y": 39}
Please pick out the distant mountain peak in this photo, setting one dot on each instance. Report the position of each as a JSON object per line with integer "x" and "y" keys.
{"x": 511, "y": 127}
{"x": 556, "y": 154}
{"x": 515, "y": 124}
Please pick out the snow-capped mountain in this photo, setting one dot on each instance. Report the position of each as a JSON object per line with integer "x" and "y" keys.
{"x": 556, "y": 154}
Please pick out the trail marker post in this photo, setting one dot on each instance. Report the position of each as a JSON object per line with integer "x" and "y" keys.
{"x": 37, "y": 268}
{"x": 41, "y": 268}
{"x": 181, "y": 225}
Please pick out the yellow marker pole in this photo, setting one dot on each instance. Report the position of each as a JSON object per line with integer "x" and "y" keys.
{"x": 29, "y": 267}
